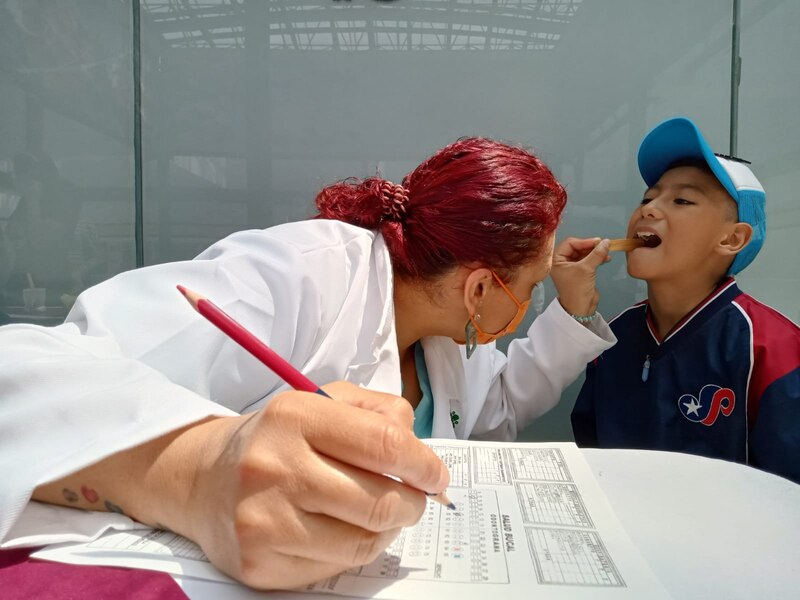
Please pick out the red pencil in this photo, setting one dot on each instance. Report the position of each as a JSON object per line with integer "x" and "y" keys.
{"x": 266, "y": 355}
{"x": 251, "y": 343}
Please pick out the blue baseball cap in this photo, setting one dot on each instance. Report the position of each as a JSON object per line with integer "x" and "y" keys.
{"x": 680, "y": 139}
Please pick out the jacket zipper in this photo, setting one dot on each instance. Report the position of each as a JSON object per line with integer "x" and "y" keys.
{"x": 646, "y": 368}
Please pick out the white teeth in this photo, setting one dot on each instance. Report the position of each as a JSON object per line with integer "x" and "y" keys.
{"x": 651, "y": 240}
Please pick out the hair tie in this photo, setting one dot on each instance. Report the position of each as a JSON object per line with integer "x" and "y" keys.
{"x": 394, "y": 199}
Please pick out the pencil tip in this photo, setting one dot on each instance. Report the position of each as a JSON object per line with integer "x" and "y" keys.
{"x": 451, "y": 506}
{"x": 192, "y": 298}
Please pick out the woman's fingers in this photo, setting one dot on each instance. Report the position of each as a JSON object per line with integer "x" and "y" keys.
{"x": 364, "y": 439}
{"x": 394, "y": 407}
{"x": 301, "y": 479}
{"x": 574, "y": 273}
{"x": 373, "y": 502}
{"x": 572, "y": 249}
{"x": 598, "y": 255}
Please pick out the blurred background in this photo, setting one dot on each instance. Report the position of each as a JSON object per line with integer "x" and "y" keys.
{"x": 134, "y": 132}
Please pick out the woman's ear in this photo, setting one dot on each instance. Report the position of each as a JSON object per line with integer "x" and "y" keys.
{"x": 476, "y": 286}
{"x": 737, "y": 238}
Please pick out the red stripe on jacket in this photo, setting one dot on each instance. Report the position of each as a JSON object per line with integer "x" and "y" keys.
{"x": 776, "y": 349}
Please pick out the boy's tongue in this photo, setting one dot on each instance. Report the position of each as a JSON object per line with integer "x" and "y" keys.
{"x": 650, "y": 240}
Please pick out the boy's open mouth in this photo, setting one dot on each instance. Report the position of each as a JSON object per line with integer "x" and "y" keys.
{"x": 651, "y": 240}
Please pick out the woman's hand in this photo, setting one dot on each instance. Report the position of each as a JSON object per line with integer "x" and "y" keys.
{"x": 574, "y": 273}
{"x": 285, "y": 496}
{"x": 298, "y": 491}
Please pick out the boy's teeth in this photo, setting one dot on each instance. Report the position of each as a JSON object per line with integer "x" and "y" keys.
{"x": 651, "y": 240}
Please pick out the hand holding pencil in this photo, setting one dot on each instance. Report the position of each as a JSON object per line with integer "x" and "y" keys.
{"x": 296, "y": 491}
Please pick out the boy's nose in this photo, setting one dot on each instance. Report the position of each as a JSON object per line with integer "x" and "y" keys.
{"x": 650, "y": 209}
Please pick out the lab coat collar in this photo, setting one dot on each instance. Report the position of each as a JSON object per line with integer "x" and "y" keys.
{"x": 446, "y": 373}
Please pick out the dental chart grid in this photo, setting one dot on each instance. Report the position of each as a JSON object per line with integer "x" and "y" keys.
{"x": 528, "y": 516}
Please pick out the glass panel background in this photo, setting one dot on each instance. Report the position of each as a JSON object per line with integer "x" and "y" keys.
{"x": 769, "y": 122}
{"x": 66, "y": 113}
{"x": 248, "y": 108}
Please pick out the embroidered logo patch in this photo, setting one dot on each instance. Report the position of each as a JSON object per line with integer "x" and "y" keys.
{"x": 454, "y": 418}
{"x": 711, "y": 401}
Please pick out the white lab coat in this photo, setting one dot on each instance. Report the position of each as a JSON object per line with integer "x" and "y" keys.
{"x": 134, "y": 361}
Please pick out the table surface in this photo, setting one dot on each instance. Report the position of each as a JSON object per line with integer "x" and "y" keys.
{"x": 708, "y": 528}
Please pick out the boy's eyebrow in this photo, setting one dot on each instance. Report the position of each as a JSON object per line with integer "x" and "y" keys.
{"x": 680, "y": 186}
{"x": 690, "y": 186}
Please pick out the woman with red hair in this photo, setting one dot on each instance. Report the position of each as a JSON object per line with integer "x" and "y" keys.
{"x": 469, "y": 233}
{"x": 400, "y": 288}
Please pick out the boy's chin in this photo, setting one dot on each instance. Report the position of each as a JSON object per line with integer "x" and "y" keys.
{"x": 637, "y": 270}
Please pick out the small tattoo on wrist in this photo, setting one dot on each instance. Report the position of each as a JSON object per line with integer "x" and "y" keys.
{"x": 90, "y": 495}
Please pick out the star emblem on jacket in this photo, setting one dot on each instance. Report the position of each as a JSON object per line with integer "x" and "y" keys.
{"x": 692, "y": 406}
{"x": 712, "y": 401}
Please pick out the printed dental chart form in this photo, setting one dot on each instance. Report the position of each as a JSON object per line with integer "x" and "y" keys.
{"x": 530, "y": 522}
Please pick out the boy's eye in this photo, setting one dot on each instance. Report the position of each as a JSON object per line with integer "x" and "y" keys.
{"x": 645, "y": 200}
{"x": 683, "y": 201}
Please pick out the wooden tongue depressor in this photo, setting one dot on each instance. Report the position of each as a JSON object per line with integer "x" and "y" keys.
{"x": 626, "y": 244}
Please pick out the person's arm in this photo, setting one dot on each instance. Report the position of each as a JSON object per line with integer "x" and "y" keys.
{"x": 539, "y": 367}
{"x": 279, "y": 498}
{"x": 773, "y": 394}
{"x": 69, "y": 400}
{"x": 775, "y": 436}
{"x": 134, "y": 361}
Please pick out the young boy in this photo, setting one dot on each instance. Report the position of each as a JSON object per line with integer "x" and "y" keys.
{"x": 700, "y": 367}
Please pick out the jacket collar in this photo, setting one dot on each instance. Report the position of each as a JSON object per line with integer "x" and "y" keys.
{"x": 715, "y": 301}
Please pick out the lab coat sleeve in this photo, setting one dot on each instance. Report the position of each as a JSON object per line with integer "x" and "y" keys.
{"x": 530, "y": 380}
{"x": 134, "y": 361}
{"x": 69, "y": 400}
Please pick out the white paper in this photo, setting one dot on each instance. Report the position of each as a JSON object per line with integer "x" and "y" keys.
{"x": 152, "y": 549}
{"x": 530, "y": 521}
{"x": 42, "y": 524}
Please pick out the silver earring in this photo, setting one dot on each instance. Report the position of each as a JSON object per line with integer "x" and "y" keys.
{"x": 471, "y": 336}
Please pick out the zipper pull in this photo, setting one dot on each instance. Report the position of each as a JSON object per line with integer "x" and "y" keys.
{"x": 646, "y": 368}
